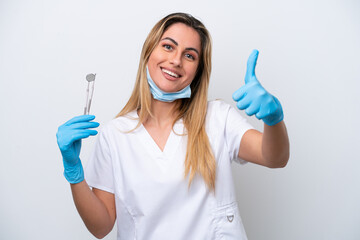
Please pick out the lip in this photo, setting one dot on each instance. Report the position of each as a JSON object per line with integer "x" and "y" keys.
{"x": 167, "y": 76}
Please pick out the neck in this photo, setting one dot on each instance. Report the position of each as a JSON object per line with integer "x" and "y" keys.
{"x": 164, "y": 113}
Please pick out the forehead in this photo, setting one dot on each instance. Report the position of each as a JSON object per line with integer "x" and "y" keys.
{"x": 184, "y": 35}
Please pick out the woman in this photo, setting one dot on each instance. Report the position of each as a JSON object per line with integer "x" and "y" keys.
{"x": 162, "y": 167}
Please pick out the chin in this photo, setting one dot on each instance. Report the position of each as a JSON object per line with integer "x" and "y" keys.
{"x": 167, "y": 88}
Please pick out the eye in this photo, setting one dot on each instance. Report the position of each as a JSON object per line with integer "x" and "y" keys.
{"x": 190, "y": 56}
{"x": 167, "y": 47}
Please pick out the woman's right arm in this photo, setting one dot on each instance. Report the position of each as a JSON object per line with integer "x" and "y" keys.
{"x": 97, "y": 207}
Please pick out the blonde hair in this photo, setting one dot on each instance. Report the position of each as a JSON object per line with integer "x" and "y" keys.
{"x": 199, "y": 157}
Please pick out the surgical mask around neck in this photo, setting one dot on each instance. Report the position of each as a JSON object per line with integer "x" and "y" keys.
{"x": 160, "y": 95}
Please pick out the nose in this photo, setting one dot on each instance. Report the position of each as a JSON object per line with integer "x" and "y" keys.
{"x": 176, "y": 59}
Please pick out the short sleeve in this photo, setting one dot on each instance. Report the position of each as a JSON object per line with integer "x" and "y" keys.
{"x": 99, "y": 169}
{"x": 235, "y": 128}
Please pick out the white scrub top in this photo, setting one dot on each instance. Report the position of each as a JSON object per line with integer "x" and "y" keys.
{"x": 152, "y": 198}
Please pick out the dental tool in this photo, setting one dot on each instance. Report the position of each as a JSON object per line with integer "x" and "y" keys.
{"x": 90, "y": 78}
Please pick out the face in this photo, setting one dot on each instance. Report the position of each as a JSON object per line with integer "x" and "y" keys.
{"x": 174, "y": 61}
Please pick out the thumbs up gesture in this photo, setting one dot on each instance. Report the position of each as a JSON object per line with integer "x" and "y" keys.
{"x": 255, "y": 99}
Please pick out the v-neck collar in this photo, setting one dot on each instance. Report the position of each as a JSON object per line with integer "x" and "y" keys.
{"x": 151, "y": 140}
{"x": 171, "y": 144}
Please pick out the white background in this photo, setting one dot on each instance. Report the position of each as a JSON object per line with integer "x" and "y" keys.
{"x": 309, "y": 59}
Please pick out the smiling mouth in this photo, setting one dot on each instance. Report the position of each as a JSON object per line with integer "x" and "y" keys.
{"x": 170, "y": 73}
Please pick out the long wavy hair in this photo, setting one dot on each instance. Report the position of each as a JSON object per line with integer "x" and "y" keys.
{"x": 199, "y": 157}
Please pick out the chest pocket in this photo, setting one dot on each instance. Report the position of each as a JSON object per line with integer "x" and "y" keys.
{"x": 228, "y": 224}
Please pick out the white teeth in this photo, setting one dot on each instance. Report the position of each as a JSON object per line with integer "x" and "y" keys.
{"x": 170, "y": 73}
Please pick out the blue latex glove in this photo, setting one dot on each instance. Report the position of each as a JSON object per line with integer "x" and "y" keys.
{"x": 255, "y": 99}
{"x": 69, "y": 137}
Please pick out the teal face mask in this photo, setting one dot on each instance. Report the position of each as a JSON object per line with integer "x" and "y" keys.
{"x": 160, "y": 95}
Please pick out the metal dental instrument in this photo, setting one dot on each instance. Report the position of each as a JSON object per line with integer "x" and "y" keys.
{"x": 90, "y": 87}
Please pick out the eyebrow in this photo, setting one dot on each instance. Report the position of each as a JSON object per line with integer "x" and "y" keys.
{"x": 172, "y": 40}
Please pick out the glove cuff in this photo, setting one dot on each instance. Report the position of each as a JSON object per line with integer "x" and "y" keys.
{"x": 271, "y": 121}
{"x": 74, "y": 174}
{"x": 277, "y": 116}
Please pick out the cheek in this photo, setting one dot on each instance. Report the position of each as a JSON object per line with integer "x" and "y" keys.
{"x": 192, "y": 71}
{"x": 156, "y": 56}
{"x": 152, "y": 63}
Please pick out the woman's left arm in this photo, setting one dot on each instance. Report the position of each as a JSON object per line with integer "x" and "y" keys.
{"x": 270, "y": 148}
{"x": 275, "y": 145}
